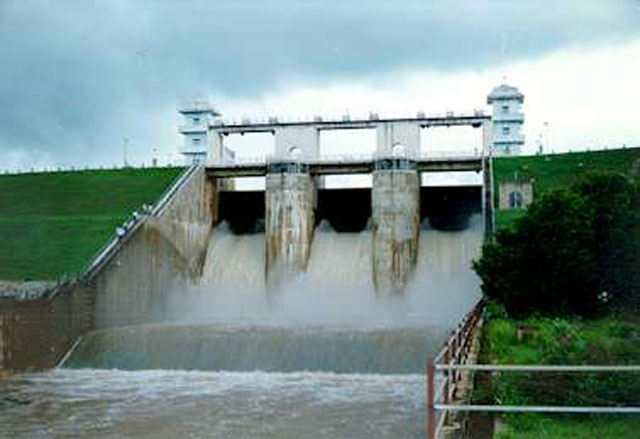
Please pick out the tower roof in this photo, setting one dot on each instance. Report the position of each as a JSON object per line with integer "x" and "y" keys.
{"x": 505, "y": 92}
{"x": 198, "y": 106}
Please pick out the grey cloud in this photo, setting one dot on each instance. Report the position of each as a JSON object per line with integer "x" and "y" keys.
{"x": 77, "y": 76}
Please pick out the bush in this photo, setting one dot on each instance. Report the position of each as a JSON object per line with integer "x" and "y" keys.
{"x": 563, "y": 341}
{"x": 575, "y": 251}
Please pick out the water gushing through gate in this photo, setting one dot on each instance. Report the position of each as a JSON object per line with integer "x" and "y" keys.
{"x": 322, "y": 357}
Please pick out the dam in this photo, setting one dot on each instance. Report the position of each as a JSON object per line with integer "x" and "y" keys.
{"x": 323, "y": 357}
{"x": 295, "y": 310}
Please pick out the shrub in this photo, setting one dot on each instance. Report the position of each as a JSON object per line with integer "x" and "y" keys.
{"x": 575, "y": 251}
{"x": 564, "y": 341}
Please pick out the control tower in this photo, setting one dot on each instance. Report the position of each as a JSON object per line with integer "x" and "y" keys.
{"x": 197, "y": 116}
{"x": 507, "y": 120}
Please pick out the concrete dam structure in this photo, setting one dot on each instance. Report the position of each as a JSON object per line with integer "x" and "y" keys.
{"x": 294, "y": 180}
{"x": 311, "y": 307}
{"x": 137, "y": 274}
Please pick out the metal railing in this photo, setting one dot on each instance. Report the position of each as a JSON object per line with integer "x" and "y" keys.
{"x": 347, "y": 158}
{"x": 70, "y": 168}
{"x": 168, "y": 194}
{"x": 444, "y": 373}
{"x": 454, "y": 351}
{"x": 345, "y": 117}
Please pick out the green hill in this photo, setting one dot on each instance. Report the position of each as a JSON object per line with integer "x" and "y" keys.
{"x": 52, "y": 224}
{"x": 551, "y": 171}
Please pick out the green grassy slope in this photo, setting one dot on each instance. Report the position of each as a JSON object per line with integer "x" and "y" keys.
{"x": 51, "y": 224}
{"x": 551, "y": 171}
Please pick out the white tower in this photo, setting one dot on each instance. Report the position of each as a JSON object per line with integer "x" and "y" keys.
{"x": 197, "y": 114}
{"x": 507, "y": 120}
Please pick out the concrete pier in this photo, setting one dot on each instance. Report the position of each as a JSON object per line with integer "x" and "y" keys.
{"x": 395, "y": 206}
{"x": 290, "y": 200}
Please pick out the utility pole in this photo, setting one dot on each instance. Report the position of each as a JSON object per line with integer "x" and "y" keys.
{"x": 540, "y": 145}
{"x": 125, "y": 143}
{"x": 546, "y": 135}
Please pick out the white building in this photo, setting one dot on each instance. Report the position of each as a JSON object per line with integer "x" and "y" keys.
{"x": 197, "y": 115}
{"x": 507, "y": 120}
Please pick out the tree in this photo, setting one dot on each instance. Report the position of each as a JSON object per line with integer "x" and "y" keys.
{"x": 575, "y": 251}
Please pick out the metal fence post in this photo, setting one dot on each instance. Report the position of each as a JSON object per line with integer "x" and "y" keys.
{"x": 431, "y": 416}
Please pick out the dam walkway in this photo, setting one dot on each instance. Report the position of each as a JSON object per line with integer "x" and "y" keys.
{"x": 348, "y": 164}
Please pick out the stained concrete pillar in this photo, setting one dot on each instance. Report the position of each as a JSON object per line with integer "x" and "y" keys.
{"x": 487, "y": 197}
{"x": 487, "y": 180}
{"x": 395, "y": 206}
{"x": 487, "y": 137}
{"x": 398, "y": 139}
{"x": 395, "y": 201}
{"x": 289, "y": 219}
{"x": 297, "y": 142}
{"x": 215, "y": 155}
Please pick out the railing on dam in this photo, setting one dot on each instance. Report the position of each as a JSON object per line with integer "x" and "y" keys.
{"x": 347, "y": 121}
{"x": 103, "y": 255}
{"x": 450, "y": 376}
{"x": 432, "y": 161}
{"x": 48, "y": 169}
{"x": 345, "y": 158}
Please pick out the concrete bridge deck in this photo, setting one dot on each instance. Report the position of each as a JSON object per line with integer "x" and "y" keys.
{"x": 347, "y": 166}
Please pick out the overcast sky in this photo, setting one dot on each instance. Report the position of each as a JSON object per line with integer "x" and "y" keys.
{"x": 78, "y": 77}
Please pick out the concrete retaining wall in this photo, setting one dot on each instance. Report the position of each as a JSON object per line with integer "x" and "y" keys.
{"x": 36, "y": 333}
{"x": 129, "y": 287}
{"x": 165, "y": 253}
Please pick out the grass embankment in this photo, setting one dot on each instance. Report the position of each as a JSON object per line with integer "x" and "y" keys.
{"x": 566, "y": 341}
{"x": 555, "y": 171}
{"x": 51, "y": 224}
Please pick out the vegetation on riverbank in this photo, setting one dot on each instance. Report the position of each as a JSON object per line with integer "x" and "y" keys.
{"x": 563, "y": 283}
{"x": 51, "y": 224}
{"x": 536, "y": 340}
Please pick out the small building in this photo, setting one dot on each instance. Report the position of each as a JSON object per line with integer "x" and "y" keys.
{"x": 197, "y": 115}
{"x": 515, "y": 195}
{"x": 507, "y": 120}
